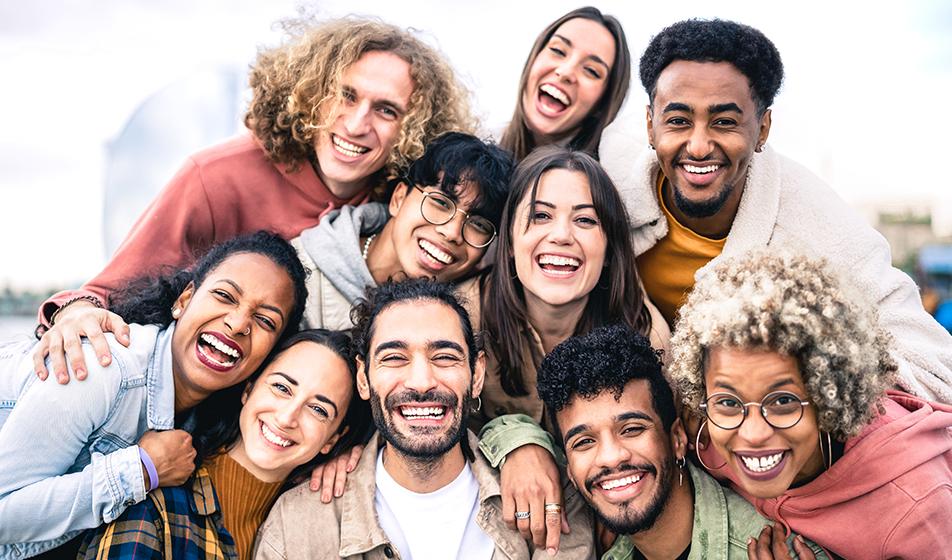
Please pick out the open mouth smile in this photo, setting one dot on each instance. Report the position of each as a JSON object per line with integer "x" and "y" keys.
{"x": 433, "y": 255}
{"x": 558, "y": 265}
{"x": 762, "y": 466}
{"x": 621, "y": 488}
{"x": 552, "y": 101}
{"x": 346, "y": 148}
{"x": 217, "y": 351}
{"x": 273, "y": 438}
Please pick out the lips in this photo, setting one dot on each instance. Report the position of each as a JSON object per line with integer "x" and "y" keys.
{"x": 272, "y": 437}
{"x": 762, "y": 465}
{"x": 552, "y": 100}
{"x": 347, "y": 148}
{"x": 557, "y": 265}
{"x": 433, "y": 257}
{"x": 217, "y": 351}
{"x": 701, "y": 174}
{"x": 619, "y": 487}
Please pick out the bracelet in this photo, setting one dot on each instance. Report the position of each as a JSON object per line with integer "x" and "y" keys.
{"x": 91, "y": 299}
{"x": 149, "y": 468}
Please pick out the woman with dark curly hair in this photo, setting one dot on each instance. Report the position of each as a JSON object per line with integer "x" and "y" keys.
{"x": 74, "y": 457}
{"x": 792, "y": 375}
{"x": 572, "y": 85}
{"x": 337, "y": 110}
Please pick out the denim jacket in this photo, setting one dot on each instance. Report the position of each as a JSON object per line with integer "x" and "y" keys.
{"x": 68, "y": 454}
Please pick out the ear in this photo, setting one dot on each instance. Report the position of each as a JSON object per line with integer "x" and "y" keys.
{"x": 363, "y": 384}
{"x": 398, "y": 197}
{"x": 332, "y": 441}
{"x": 182, "y": 301}
{"x": 764, "y": 128}
{"x": 649, "y": 125}
{"x": 679, "y": 439}
{"x": 479, "y": 374}
{"x": 247, "y": 391}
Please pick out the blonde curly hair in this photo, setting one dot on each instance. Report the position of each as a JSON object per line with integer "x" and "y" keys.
{"x": 795, "y": 306}
{"x": 293, "y": 84}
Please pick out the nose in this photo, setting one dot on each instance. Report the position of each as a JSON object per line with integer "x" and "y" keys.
{"x": 699, "y": 143}
{"x": 610, "y": 454}
{"x": 453, "y": 230}
{"x": 755, "y": 429}
{"x": 421, "y": 378}
{"x": 287, "y": 413}
{"x": 238, "y": 322}
{"x": 560, "y": 232}
{"x": 566, "y": 71}
{"x": 357, "y": 119}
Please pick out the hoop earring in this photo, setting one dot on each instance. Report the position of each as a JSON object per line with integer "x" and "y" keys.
{"x": 697, "y": 449}
{"x": 828, "y": 456}
{"x": 680, "y": 462}
{"x": 479, "y": 404}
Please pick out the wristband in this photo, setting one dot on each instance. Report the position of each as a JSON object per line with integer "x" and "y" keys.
{"x": 149, "y": 468}
{"x": 91, "y": 299}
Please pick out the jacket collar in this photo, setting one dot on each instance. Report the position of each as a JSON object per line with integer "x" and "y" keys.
{"x": 160, "y": 400}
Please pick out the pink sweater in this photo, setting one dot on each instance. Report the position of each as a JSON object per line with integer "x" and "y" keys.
{"x": 220, "y": 192}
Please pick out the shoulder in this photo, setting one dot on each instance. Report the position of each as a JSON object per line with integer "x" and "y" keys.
{"x": 241, "y": 148}
{"x": 299, "y": 511}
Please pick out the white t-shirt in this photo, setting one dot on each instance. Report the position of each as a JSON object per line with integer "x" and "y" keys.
{"x": 434, "y": 526}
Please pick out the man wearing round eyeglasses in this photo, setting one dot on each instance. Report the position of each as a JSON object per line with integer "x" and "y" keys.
{"x": 438, "y": 224}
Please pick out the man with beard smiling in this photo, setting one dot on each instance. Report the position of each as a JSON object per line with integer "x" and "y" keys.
{"x": 626, "y": 448}
{"x": 712, "y": 188}
{"x": 418, "y": 491}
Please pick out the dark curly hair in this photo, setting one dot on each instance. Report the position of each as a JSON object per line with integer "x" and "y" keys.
{"x": 716, "y": 41}
{"x": 148, "y": 300}
{"x": 365, "y": 311}
{"x": 605, "y": 359}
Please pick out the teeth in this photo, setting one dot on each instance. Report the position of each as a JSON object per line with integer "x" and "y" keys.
{"x": 701, "y": 170}
{"x": 559, "y": 261}
{"x": 346, "y": 148}
{"x": 220, "y": 346}
{"x": 422, "y": 411}
{"x": 215, "y": 360}
{"x": 273, "y": 437}
{"x": 618, "y": 483}
{"x": 555, "y": 92}
{"x": 762, "y": 464}
{"x": 435, "y": 252}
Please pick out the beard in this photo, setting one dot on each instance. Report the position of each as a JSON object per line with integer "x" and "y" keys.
{"x": 423, "y": 442}
{"x": 625, "y": 520}
{"x": 703, "y": 208}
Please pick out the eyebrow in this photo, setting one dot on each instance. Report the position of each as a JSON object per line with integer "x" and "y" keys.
{"x": 430, "y": 345}
{"x": 576, "y": 207}
{"x": 771, "y": 388}
{"x": 593, "y": 57}
{"x": 264, "y": 305}
{"x": 633, "y": 415}
{"x": 318, "y": 396}
{"x": 725, "y": 107}
{"x": 441, "y": 344}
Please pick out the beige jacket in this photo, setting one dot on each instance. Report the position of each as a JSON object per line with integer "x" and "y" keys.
{"x": 300, "y": 527}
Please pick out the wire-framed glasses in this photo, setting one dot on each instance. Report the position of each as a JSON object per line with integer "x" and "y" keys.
{"x": 438, "y": 209}
{"x": 780, "y": 409}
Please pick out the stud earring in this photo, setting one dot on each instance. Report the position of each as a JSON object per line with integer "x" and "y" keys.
{"x": 176, "y": 312}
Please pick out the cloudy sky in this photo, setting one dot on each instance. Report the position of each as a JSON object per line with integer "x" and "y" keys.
{"x": 865, "y": 103}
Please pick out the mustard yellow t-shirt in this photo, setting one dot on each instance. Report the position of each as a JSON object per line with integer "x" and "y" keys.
{"x": 667, "y": 269}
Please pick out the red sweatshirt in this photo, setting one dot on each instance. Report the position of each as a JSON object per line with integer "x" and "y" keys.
{"x": 220, "y": 192}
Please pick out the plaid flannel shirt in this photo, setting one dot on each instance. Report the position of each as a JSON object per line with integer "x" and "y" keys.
{"x": 177, "y": 522}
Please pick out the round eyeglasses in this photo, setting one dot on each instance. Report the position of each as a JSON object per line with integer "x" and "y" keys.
{"x": 780, "y": 409}
{"x": 438, "y": 209}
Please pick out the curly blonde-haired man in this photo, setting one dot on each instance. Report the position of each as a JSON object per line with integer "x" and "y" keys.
{"x": 338, "y": 109}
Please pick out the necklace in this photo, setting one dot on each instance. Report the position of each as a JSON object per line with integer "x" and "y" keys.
{"x": 367, "y": 246}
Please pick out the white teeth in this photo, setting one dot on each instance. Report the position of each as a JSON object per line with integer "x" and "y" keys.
{"x": 556, "y": 93}
{"x": 220, "y": 346}
{"x": 762, "y": 464}
{"x": 215, "y": 360}
{"x": 273, "y": 437}
{"x": 618, "y": 483}
{"x": 435, "y": 252}
{"x": 701, "y": 170}
{"x": 422, "y": 411}
{"x": 559, "y": 261}
{"x": 346, "y": 148}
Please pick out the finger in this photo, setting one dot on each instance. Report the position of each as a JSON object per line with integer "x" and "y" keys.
{"x": 57, "y": 357}
{"x": 803, "y": 551}
{"x": 117, "y": 326}
{"x": 340, "y": 481}
{"x": 508, "y": 509}
{"x": 779, "y": 546}
{"x": 523, "y": 525}
{"x": 763, "y": 543}
{"x": 100, "y": 347}
{"x": 39, "y": 359}
{"x": 316, "y": 477}
{"x": 73, "y": 345}
{"x": 566, "y": 529}
{"x": 327, "y": 482}
{"x": 751, "y": 548}
{"x": 537, "y": 519}
{"x": 355, "y": 454}
{"x": 553, "y": 533}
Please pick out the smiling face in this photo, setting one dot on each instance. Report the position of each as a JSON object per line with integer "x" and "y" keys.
{"x": 558, "y": 245}
{"x": 422, "y": 249}
{"x": 228, "y": 325}
{"x": 293, "y": 410}
{"x": 366, "y": 122}
{"x": 765, "y": 460}
{"x": 704, "y": 126}
{"x": 620, "y": 457}
{"x": 567, "y": 79}
{"x": 418, "y": 378}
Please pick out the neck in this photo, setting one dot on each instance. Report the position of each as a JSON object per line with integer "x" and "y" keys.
{"x": 711, "y": 227}
{"x": 671, "y": 532}
{"x": 344, "y": 190}
{"x": 240, "y": 455}
{"x": 186, "y": 395}
{"x": 423, "y": 475}
{"x": 554, "y": 323}
{"x": 382, "y": 260}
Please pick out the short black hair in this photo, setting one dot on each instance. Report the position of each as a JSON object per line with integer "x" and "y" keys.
{"x": 716, "y": 40}
{"x": 377, "y": 299}
{"x": 454, "y": 158}
{"x": 605, "y": 359}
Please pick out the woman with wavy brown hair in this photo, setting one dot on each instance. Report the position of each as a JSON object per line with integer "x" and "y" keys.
{"x": 335, "y": 112}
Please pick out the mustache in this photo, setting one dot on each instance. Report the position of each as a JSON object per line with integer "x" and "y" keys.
{"x": 449, "y": 400}
{"x": 621, "y": 470}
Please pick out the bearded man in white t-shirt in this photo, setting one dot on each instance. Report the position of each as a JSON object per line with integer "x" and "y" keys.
{"x": 419, "y": 492}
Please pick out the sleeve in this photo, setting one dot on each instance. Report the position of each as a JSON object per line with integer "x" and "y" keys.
{"x": 134, "y": 535}
{"x": 46, "y": 432}
{"x": 505, "y": 433}
{"x": 175, "y": 227}
{"x": 925, "y": 528}
{"x": 269, "y": 545}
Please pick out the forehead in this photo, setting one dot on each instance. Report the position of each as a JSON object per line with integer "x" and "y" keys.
{"x": 381, "y": 76}
{"x": 603, "y": 410}
{"x": 315, "y": 367}
{"x": 464, "y": 193}
{"x": 751, "y": 372}
{"x": 562, "y": 187}
{"x": 699, "y": 84}
{"x": 255, "y": 275}
{"x": 589, "y": 37}
{"x": 417, "y": 323}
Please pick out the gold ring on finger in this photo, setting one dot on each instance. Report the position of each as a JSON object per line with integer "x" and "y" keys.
{"x": 553, "y": 508}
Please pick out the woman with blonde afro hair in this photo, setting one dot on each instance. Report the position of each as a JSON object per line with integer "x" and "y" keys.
{"x": 792, "y": 373}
